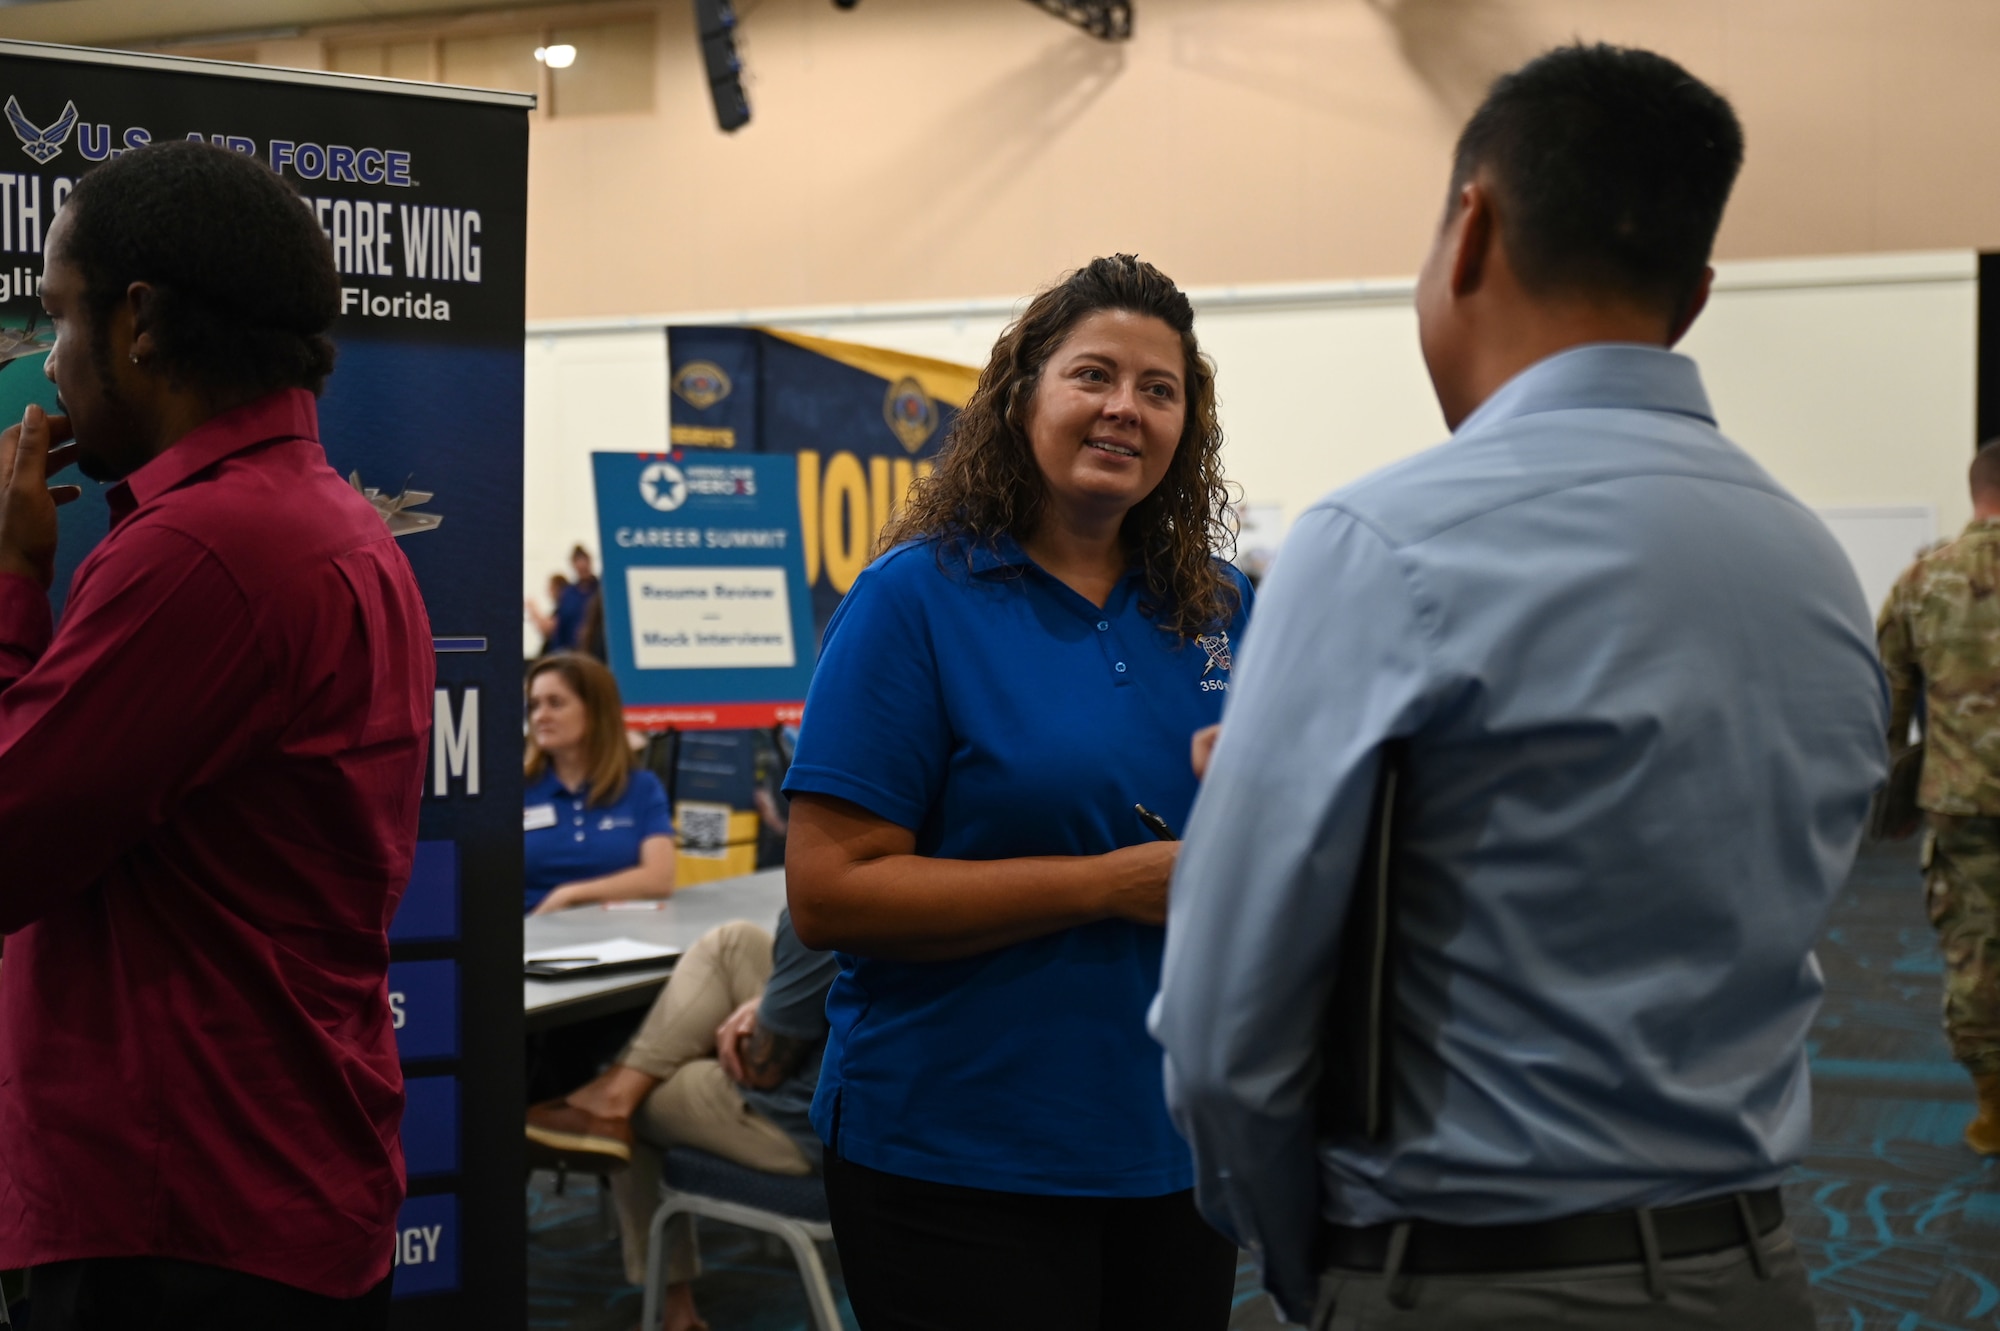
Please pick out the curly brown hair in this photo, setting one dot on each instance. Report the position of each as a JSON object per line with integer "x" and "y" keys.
{"x": 987, "y": 484}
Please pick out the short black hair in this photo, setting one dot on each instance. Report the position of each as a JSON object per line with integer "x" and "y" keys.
{"x": 245, "y": 277}
{"x": 1985, "y": 472}
{"x": 1611, "y": 168}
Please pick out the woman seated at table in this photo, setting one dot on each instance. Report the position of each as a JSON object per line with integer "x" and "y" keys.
{"x": 593, "y": 828}
{"x": 726, "y": 1061}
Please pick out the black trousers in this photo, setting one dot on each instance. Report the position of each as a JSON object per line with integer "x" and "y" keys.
{"x": 161, "y": 1294}
{"x": 923, "y": 1256}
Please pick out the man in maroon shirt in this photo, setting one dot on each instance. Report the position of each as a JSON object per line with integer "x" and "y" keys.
{"x": 209, "y": 781}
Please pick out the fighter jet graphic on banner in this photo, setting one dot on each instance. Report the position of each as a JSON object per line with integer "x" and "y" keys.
{"x": 395, "y": 509}
{"x": 20, "y": 343}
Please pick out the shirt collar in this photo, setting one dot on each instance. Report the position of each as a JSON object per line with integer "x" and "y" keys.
{"x": 551, "y": 784}
{"x": 1004, "y": 552}
{"x": 289, "y": 413}
{"x": 1623, "y": 375}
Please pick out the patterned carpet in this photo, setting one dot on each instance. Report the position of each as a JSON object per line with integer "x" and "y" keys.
{"x": 1898, "y": 1221}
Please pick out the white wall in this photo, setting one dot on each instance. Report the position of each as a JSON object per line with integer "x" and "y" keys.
{"x": 1851, "y": 379}
{"x": 1880, "y": 539}
{"x": 587, "y": 392}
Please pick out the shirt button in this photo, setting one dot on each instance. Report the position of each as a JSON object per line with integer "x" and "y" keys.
{"x": 1103, "y": 626}
{"x": 579, "y": 836}
{"x": 1120, "y": 667}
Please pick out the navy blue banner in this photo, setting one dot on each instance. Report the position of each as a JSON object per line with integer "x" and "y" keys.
{"x": 430, "y": 1126}
{"x": 427, "y": 1244}
{"x": 429, "y": 909}
{"x": 423, "y": 194}
{"x": 862, "y": 422}
{"x": 423, "y": 1001}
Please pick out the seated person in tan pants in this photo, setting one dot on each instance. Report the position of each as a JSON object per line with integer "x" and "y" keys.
{"x": 726, "y": 1062}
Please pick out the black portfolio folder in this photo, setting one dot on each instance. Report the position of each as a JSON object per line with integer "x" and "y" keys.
{"x": 585, "y": 967}
{"x": 1357, "y": 1081}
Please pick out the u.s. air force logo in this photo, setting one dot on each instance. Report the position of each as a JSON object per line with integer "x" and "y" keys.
{"x": 910, "y": 413}
{"x": 1217, "y": 647}
{"x": 40, "y": 144}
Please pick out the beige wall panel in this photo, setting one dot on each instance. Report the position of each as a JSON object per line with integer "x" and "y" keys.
{"x": 492, "y": 60}
{"x": 613, "y": 73}
{"x": 916, "y": 150}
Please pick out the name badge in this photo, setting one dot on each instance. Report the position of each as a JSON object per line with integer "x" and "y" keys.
{"x": 537, "y": 816}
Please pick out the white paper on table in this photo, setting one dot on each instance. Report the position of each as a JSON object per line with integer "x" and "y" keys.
{"x": 607, "y": 952}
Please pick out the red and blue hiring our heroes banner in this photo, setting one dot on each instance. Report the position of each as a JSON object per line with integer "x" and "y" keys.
{"x": 707, "y": 620}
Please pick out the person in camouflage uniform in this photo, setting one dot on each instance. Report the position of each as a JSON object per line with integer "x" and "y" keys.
{"x": 1939, "y": 635}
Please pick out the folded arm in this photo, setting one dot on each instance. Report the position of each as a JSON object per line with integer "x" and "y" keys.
{"x": 652, "y": 876}
{"x": 856, "y": 885}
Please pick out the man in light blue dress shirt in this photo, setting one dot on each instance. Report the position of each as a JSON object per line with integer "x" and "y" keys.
{"x": 1634, "y": 683}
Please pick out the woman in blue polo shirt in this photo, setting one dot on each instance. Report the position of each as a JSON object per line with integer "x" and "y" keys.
{"x": 1027, "y": 662}
{"x": 593, "y": 828}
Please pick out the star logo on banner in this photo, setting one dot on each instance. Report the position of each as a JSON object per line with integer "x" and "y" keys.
{"x": 663, "y": 487}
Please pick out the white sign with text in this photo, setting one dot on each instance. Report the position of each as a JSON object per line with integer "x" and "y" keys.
{"x": 709, "y": 618}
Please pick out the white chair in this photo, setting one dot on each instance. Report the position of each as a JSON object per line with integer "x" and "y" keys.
{"x": 793, "y": 1207}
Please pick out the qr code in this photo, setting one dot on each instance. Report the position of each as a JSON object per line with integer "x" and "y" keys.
{"x": 704, "y": 830}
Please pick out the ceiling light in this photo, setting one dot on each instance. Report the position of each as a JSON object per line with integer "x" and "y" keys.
{"x": 556, "y": 57}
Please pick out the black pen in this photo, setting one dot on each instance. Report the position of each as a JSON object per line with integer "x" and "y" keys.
{"x": 1154, "y": 823}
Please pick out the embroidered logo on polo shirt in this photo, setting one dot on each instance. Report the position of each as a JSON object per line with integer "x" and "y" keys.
{"x": 1217, "y": 647}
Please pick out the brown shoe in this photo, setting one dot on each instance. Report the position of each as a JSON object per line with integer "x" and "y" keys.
{"x": 560, "y": 1134}
{"x": 1983, "y": 1133}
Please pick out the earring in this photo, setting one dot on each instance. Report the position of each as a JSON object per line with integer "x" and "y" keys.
{"x": 135, "y": 358}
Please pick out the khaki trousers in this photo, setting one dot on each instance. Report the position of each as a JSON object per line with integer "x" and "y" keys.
{"x": 695, "y": 1104}
{"x": 1717, "y": 1291}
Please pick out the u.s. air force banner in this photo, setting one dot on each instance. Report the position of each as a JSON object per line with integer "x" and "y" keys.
{"x": 423, "y": 194}
{"x": 707, "y": 620}
{"x": 862, "y": 423}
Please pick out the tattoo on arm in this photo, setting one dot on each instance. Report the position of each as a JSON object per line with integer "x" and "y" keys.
{"x": 769, "y": 1058}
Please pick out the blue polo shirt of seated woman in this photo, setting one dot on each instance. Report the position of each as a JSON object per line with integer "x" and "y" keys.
{"x": 995, "y": 713}
{"x": 566, "y": 839}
